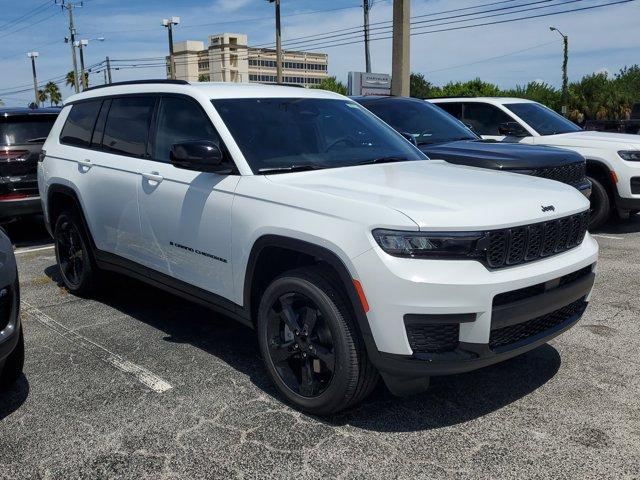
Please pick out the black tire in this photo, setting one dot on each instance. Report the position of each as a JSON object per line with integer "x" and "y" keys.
{"x": 348, "y": 377}
{"x": 600, "y": 204}
{"x": 73, "y": 254}
{"x": 13, "y": 365}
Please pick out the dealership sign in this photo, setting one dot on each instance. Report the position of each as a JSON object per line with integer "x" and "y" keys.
{"x": 361, "y": 83}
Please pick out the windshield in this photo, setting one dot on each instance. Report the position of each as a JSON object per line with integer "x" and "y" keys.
{"x": 16, "y": 130}
{"x": 426, "y": 123}
{"x": 308, "y": 133}
{"x": 542, "y": 119}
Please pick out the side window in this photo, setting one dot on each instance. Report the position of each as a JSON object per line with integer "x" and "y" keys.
{"x": 98, "y": 131}
{"x": 78, "y": 127}
{"x": 127, "y": 126}
{"x": 484, "y": 118}
{"x": 452, "y": 108}
{"x": 181, "y": 120}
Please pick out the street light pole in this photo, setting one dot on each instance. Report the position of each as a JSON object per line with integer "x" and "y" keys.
{"x": 169, "y": 23}
{"x": 32, "y": 56}
{"x": 565, "y": 76}
{"x": 72, "y": 40}
{"x": 367, "y": 57}
{"x": 80, "y": 44}
{"x": 278, "y": 42}
{"x": 400, "y": 73}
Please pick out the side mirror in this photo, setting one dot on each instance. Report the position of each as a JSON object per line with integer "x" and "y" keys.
{"x": 409, "y": 137}
{"x": 512, "y": 129}
{"x": 198, "y": 155}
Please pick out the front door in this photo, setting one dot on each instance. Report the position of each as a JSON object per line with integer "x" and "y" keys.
{"x": 485, "y": 120}
{"x": 185, "y": 216}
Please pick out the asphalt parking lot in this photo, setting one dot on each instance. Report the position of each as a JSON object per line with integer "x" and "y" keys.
{"x": 139, "y": 384}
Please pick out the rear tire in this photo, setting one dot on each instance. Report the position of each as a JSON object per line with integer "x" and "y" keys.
{"x": 73, "y": 254}
{"x": 311, "y": 346}
{"x": 600, "y": 204}
{"x": 13, "y": 365}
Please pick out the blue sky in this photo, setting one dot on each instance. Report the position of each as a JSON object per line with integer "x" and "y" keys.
{"x": 506, "y": 54}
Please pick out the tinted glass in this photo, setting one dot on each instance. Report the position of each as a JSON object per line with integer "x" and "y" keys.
{"x": 452, "y": 108}
{"x": 484, "y": 118}
{"x": 98, "y": 131}
{"x": 180, "y": 120}
{"x": 127, "y": 126}
{"x": 424, "y": 122}
{"x": 79, "y": 124}
{"x": 31, "y": 129}
{"x": 542, "y": 119}
{"x": 320, "y": 133}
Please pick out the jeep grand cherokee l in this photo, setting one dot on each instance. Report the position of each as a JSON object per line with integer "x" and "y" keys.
{"x": 22, "y": 133}
{"x": 301, "y": 214}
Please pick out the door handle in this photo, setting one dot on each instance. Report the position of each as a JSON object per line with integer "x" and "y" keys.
{"x": 153, "y": 177}
{"x": 86, "y": 163}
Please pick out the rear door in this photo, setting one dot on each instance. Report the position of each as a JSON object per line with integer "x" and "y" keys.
{"x": 185, "y": 215}
{"x": 110, "y": 167}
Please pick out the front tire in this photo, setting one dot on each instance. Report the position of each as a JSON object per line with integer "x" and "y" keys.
{"x": 13, "y": 365}
{"x": 600, "y": 204}
{"x": 73, "y": 254}
{"x": 310, "y": 344}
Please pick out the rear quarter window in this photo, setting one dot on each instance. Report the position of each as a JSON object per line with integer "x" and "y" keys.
{"x": 79, "y": 124}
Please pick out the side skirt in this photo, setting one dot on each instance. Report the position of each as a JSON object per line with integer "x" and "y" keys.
{"x": 118, "y": 264}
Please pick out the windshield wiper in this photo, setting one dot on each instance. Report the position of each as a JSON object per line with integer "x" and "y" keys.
{"x": 387, "y": 159}
{"x": 290, "y": 168}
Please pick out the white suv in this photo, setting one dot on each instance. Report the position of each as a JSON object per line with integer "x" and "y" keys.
{"x": 613, "y": 159}
{"x": 301, "y": 214}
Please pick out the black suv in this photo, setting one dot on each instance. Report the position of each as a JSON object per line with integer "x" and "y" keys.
{"x": 22, "y": 133}
{"x": 442, "y": 136}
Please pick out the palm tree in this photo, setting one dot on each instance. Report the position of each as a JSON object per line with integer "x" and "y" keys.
{"x": 42, "y": 96}
{"x": 52, "y": 90}
{"x": 70, "y": 79}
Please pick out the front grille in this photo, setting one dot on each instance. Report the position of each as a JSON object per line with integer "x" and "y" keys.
{"x": 526, "y": 292}
{"x": 571, "y": 174}
{"x": 505, "y": 336}
{"x": 433, "y": 338}
{"x": 513, "y": 246}
{"x": 6, "y": 304}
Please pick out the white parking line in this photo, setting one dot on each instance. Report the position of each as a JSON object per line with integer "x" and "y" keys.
{"x": 144, "y": 376}
{"x": 606, "y": 236}
{"x": 35, "y": 249}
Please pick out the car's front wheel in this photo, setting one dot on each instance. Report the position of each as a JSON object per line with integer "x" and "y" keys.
{"x": 600, "y": 204}
{"x": 310, "y": 344}
{"x": 76, "y": 266}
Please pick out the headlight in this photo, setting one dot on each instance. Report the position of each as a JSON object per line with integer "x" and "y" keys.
{"x": 630, "y": 155}
{"x": 431, "y": 244}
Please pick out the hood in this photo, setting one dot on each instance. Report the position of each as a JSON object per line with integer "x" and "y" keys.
{"x": 503, "y": 156}
{"x": 587, "y": 137}
{"x": 437, "y": 195}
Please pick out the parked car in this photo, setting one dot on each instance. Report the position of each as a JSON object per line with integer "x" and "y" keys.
{"x": 11, "y": 340}
{"x": 632, "y": 125}
{"x": 613, "y": 159}
{"x": 301, "y": 214}
{"x": 22, "y": 133}
{"x": 443, "y": 137}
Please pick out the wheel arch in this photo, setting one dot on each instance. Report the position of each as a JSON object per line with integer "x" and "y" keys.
{"x": 60, "y": 197}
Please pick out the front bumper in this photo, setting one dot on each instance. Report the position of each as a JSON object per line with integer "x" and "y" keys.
{"x": 464, "y": 291}
{"x": 23, "y": 206}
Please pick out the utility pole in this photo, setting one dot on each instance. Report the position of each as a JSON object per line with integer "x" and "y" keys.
{"x": 278, "y": 42}
{"x": 108, "y": 70}
{"x": 169, "y": 23}
{"x": 565, "y": 75}
{"x": 367, "y": 57}
{"x": 80, "y": 44}
{"x": 32, "y": 56}
{"x": 400, "y": 57}
{"x": 72, "y": 40}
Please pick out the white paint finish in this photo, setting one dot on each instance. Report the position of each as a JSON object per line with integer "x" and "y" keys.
{"x": 139, "y": 373}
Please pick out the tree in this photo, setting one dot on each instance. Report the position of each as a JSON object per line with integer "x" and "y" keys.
{"x": 332, "y": 84}
{"x": 204, "y": 77}
{"x": 42, "y": 96}
{"x": 419, "y": 86}
{"x": 70, "y": 79}
{"x": 52, "y": 90}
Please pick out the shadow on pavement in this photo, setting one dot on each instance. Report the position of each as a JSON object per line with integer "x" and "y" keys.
{"x": 28, "y": 232}
{"x": 13, "y": 397}
{"x": 630, "y": 225}
{"x": 449, "y": 400}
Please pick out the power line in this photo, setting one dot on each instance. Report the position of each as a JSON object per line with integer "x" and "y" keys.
{"x": 32, "y": 12}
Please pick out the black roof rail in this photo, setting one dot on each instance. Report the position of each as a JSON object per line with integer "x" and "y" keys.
{"x": 140, "y": 82}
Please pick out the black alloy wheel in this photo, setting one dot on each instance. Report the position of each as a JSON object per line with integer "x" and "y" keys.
{"x": 73, "y": 255}
{"x": 300, "y": 344}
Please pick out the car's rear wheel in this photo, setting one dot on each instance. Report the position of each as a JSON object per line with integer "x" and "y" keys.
{"x": 600, "y": 204}
{"x": 311, "y": 346}
{"x": 13, "y": 365}
{"x": 76, "y": 265}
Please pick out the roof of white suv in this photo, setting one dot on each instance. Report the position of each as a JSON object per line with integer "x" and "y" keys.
{"x": 494, "y": 100}
{"x": 209, "y": 89}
